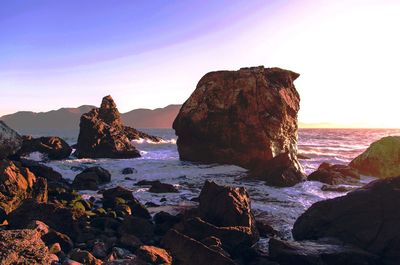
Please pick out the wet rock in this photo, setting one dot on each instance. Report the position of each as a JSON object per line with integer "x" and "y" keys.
{"x": 318, "y": 253}
{"x": 23, "y": 247}
{"x": 335, "y": 174}
{"x": 158, "y": 187}
{"x": 381, "y": 159}
{"x": 134, "y": 134}
{"x": 10, "y": 141}
{"x": 41, "y": 170}
{"x": 139, "y": 227}
{"x": 244, "y": 117}
{"x": 281, "y": 171}
{"x": 91, "y": 178}
{"x": 165, "y": 221}
{"x": 130, "y": 242}
{"x": 128, "y": 171}
{"x": 154, "y": 255}
{"x": 186, "y": 250}
{"x": 84, "y": 257}
{"x": 65, "y": 220}
{"x": 99, "y": 250}
{"x": 53, "y": 147}
{"x": 18, "y": 183}
{"x": 226, "y": 207}
{"x": 111, "y": 196}
{"x": 366, "y": 217}
{"x": 265, "y": 229}
{"x": 336, "y": 188}
{"x": 102, "y": 134}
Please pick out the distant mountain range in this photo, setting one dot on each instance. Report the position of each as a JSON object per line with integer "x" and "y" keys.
{"x": 68, "y": 118}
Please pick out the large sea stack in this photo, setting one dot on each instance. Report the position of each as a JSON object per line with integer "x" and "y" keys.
{"x": 102, "y": 134}
{"x": 247, "y": 118}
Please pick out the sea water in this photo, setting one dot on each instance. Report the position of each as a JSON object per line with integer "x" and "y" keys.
{"x": 279, "y": 206}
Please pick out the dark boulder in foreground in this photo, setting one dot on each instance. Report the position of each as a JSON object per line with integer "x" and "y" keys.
{"x": 102, "y": 134}
{"x": 65, "y": 220}
{"x": 244, "y": 117}
{"x": 318, "y": 253}
{"x": 10, "y": 141}
{"x": 23, "y": 247}
{"x": 367, "y": 217}
{"x": 18, "y": 183}
{"x": 187, "y": 251}
{"x": 53, "y": 147}
{"x": 335, "y": 174}
{"x": 381, "y": 159}
{"x": 91, "y": 178}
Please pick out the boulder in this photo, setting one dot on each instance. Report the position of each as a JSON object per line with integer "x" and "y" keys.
{"x": 134, "y": 134}
{"x": 18, "y": 183}
{"x": 23, "y": 247}
{"x": 84, "y": 257}
{"x": 188, "y": 251}
{"x": 65, "y": 220}
{"x": 367, "y": 218}
{"x": 128, "y": 171}
{"x": 318, "y": 253}
{"x": 53, "y": 147}
{"x": 102, "y": 134}
{"x": 244, "y": 117}
{"x": 281, "y": 171}
{"x": 159, "y": 187}
{"x": 154, "y": 255}
{"x": 381, "y": 159}
{"x": 226, "y": 206}
{"x": 41, "y": 170}
{"x": 91, "y": 178}
{"x": 111, "y": 197}
{"x": 10, "y": 141}
{"x": 335, "y": 174}
{"x": 139, "y": 227}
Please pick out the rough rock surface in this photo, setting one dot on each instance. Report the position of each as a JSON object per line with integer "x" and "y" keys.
{"x": 17, "y": 184}
{"x": 23, "y": 247}
{"x": 54, "y": 147}
{"x": 102, "y": 134}
{"x": 154, "y": 255}
{"x": 318, "y": 253}
{"x": 91, "y": 178}
{"x": 335, "y": 174}
{"x": 367, "y": 218}
{"x": 62, "y": 219}
{"x": 134, "y": 134}
{"x": 187, "y": 251}
{"x": 10, "y": 141}
{"x": 244, "y": 117}
{"x": 41, "y": 170}
{"x": 381, "y": 159}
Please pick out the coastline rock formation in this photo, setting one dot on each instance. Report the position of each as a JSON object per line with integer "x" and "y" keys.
{"x": 54, "y": 147}
{"x": 10, "y": 141}
{"x": 335, "y": 174}
{"x": 17, "y": 184}
{"x": 367, "y": 218}
{"x": 103, "y": 135}
{"x": 381, "y": 159}
{"x": 245, "y": 117}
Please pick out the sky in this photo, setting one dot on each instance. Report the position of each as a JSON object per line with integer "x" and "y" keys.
{"x": 150, "y": 54}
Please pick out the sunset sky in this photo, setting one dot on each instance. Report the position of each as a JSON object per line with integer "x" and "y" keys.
{"x": 152, "y": 53}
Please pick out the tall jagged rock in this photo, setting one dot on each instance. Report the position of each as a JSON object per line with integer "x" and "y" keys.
{"x": 10, "y": 141}
{"x": 246, "y": 118}
{"x": 102, "y": 134}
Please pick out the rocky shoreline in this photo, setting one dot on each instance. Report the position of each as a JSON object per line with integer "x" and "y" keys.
{"x": 45, "y": 220}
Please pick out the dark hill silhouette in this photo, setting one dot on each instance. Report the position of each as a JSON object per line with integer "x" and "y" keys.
{"x": 68, "y": 118}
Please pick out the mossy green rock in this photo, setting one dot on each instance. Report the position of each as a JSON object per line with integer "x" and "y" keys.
{"x": 381, "y": 159}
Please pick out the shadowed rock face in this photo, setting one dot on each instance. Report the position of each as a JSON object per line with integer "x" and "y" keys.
{"x": 10, "y": 141}
{"x": 244, "y": 117}
{"x": 54, "y": 147}
{"x": 102, "y": 134}
{"x": 381, "y": 159}
{"x": 367, "y": 217}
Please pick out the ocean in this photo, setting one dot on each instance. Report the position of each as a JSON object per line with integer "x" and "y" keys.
{"x": 279, "y": 206}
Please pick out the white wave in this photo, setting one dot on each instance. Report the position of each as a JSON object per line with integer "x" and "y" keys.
{"x": 148, "y": 141}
